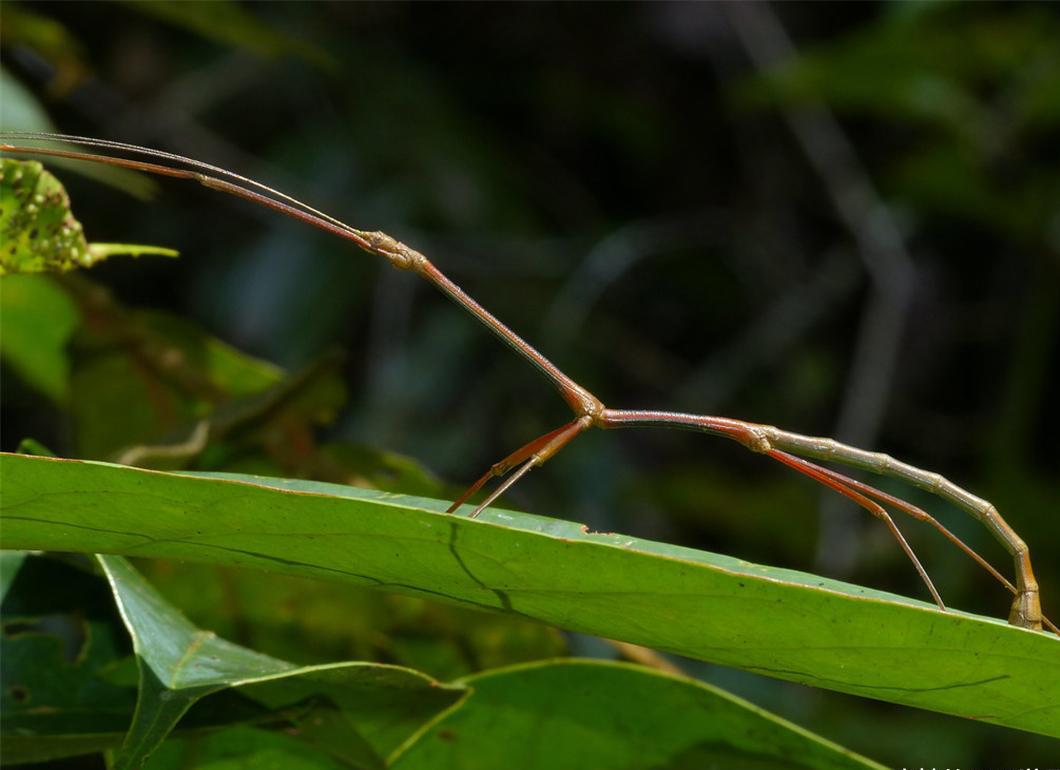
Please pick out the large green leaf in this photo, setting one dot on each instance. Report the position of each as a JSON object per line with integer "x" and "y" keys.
{"x": 611, "y": 716}
{"x": 777, "y": 622}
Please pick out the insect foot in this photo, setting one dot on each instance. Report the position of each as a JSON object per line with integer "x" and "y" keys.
{"x": 1026, "y": 610}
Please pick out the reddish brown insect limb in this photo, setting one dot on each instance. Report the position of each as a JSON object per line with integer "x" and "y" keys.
{"x": 536, "y": 452}
{"x": 738, "y": 430}
{"x": 1026, "y": 608}
{"x": 920, "y": 515}
{"x": 523, "y": 470}
{"x": 472, "y": 489}
{"x": 751, "y": 437}
{"x": 581, "y": 401}
{"x": 814, "y": 472}
{"x": 505, "y": 465}
{"x": 283, "y": 208}
{"x": 136, "y": 165}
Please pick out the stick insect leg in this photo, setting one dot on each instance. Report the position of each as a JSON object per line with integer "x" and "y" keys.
{"x": 754, "y": 438}
{"x": 505, "y": 465}
{"x": 508, "y": 482}
{"x": 1026, "y": 607}
{"x": 532, "y": 453}
{"x": 921, "y": 515}
{"x": 829, "y": 480}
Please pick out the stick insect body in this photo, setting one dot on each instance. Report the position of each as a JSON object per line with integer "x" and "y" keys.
{"x": 791, "y": 449}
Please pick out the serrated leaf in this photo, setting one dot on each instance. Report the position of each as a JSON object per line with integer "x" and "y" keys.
{"x": 771, "y": 621}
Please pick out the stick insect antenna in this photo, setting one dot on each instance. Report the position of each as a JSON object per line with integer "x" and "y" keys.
{"x": 88, "y": 141}
{"x": 375, "y": 242}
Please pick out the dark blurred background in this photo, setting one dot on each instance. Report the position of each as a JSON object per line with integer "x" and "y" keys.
{"x": 842, "y": 219}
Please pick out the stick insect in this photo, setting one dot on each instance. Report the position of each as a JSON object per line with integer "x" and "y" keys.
{"x": 791, "y": 449}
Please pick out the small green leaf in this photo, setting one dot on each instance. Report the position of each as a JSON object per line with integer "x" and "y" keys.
{"x": 19, "y": 108}
{"x": 38, "y": 232}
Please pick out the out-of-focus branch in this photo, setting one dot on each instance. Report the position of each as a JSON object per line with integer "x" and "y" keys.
{"x": 883, "y": 252}
{"x": 193, "y": 445}
{"x": 646, "y": 656}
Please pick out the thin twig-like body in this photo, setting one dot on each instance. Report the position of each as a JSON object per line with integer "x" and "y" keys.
{"x": 589, "y": 411}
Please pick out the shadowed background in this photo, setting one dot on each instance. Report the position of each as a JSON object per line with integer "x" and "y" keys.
{"x": 839, "y": 219}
